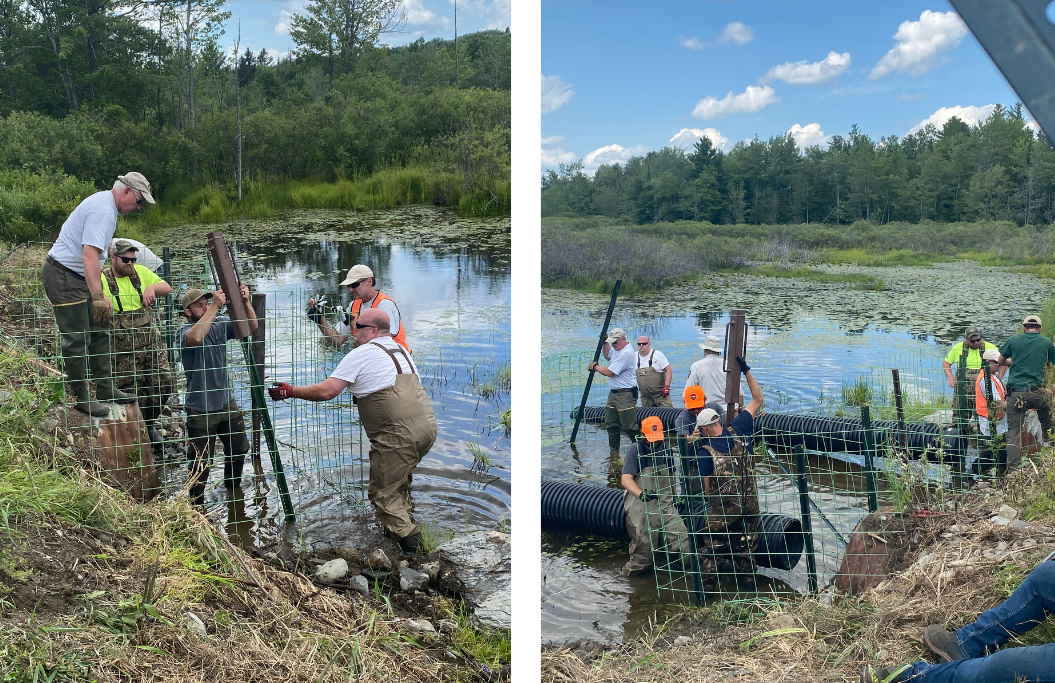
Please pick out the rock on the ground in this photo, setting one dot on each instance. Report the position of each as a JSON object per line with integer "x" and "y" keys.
{"x": 782, "y": 621}
{"x": 1007, "y": 512}
{"x": 682, "y": 641}
{"x": 430, "y": 568}
{"x": 360, "y": 585}
{"x": 480, "y": 565}
{"x": 379, "y": 560}
{"x": 448, "y": 626}
{"x": 332, "y": 571}
{"x": 411, "y": 580}
{"x": 352, "y": 555}
{"x": 194, "y": 624}
{"x": 1019, "y": 524}
{"x": 419, "y": 626}
{"x": 1000, "y": 521}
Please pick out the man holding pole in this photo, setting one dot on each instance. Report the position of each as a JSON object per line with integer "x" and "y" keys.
{"x": 211, "y": 409}
{"x": 394, "y": 411}
{"x": 72, "y": 283}
{"x": 653, "y": 375}
{"x": 620, "y": 411}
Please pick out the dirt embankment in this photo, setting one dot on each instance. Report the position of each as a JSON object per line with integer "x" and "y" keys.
{"x": 968, "y": 565}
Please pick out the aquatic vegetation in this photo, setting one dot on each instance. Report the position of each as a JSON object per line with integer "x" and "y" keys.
{"x": 858, "y": 393}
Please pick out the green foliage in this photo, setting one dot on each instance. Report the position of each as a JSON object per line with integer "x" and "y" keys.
{"x": 32, "y": 204}
{"x": 859, "y": 393}
{"x": 812, "y": 274}
{"x": 997, "y": 170}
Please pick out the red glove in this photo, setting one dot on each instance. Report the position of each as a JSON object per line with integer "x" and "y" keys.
{"x": 280, "y": 391}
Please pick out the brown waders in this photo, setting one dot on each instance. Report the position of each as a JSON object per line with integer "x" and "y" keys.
{"x": 401, "y": 426}
{"x": 655, "y": 523}
{"x": 620, "y": 414}
{"x": 1018, "y": 404}
{"x": 85, "y": 344}
{"x": 650, "y": 383}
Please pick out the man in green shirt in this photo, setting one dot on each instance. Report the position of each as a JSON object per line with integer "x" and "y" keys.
{"x": 139, "y": 363}
{"x": 1028, "y": 353}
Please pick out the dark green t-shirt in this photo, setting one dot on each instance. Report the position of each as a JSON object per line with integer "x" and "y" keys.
{"x": 1029, "y": 352}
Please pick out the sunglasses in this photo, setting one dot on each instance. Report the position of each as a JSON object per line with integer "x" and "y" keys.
{"x": 643, "y": 343}
{"x": 356, "y": 283}
{"x": 139, "y": 198}
{"x": 125, "y": 259}
{"x": 359, "y": 327}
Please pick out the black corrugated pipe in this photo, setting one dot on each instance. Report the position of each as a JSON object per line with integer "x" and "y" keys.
{"x": 595, "y": 510}
{"x": 827, "y": 434}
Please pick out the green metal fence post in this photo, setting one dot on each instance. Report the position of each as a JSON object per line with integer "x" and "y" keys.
{"x": 869, "y": 449}
{"x": 807, "y": 526}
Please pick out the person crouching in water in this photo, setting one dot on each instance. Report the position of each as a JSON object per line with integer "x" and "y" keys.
{"x": 394, "y": 411}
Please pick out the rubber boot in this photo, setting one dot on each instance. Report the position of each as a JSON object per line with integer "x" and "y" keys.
{"x": 84, "y": 403}
{"x": 99, "y": 362}
{"x": 232, "y": 471}
{"x": 106, "y": 391}
{"x": 73, "y": 323}
{"x": 410, "y": 545}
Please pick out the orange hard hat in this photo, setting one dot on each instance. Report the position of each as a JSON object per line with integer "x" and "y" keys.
{"x": 652, "y": 428}
{"x": 694, "y": 396}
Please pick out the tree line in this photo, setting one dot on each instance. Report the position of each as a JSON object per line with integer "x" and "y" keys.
{"x": 997, "y": 170}
{"x": 93, "y": 89}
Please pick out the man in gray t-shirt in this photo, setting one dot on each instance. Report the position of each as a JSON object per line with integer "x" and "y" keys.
{"x": 73, "y": 285}
{"x": 211, "y": 409}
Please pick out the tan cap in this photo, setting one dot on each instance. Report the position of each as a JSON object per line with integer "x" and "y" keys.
{"x": 713, "y": 343}
{"x": 615, "y": 334}
{"x": 1031, "y": 320}
{"x": 137, "y": 181}
{"x": 121, "y": 246}
{"x": 356, "y": 273}
{"x": 706, "y": 417}
{"x": 193, "y": 295}
{"x": 991, "y": 354}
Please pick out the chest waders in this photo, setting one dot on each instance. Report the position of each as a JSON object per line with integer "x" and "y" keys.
{"x": 732, "y": 515}
{"x": 651, "y": 384}
{"x": 401, "y": 426}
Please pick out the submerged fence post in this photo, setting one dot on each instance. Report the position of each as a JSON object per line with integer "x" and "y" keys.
{"x": 260, "y": 307}
{"x": 807, "y": 526}
{"x": 869, "y": 449}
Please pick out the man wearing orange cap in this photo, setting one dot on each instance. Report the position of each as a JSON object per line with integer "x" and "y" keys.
{"x": 695, "y": 401}
{"x": 648, "y": 481}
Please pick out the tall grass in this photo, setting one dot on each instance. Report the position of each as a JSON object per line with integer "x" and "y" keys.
{"x": 32, "y": 204}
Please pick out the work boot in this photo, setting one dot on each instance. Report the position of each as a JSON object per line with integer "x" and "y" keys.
{"x": 943, "y": 643}
{"x": 410, "y": 545}
{"x": 106, "y": 391}
{"x": 886, "y": 674}
{"x": 84, "y": 403}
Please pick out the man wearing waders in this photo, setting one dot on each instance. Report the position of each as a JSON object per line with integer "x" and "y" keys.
{"x": 648, "y": 498}
{"x": 394, "y": 411}
{"x": 653, "y": 375}
{"x": 732, "y": 498}
{"x": 620, "y": 412}
{"x": 73, "y": 284}
{"x": 1028, "y": 353}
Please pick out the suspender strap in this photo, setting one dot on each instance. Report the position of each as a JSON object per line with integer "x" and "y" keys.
{"x": 115, "y": 291}
{"x": 392, "y": 354}
{"x": 650, "y": 357}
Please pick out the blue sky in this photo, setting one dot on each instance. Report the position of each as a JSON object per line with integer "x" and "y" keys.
{"x": 621, "y": 78}
{"x": 265, "y": 24}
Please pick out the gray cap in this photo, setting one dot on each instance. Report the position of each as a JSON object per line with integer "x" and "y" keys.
{"x": 121, "y": 246}
{"x": 137, "y": 181}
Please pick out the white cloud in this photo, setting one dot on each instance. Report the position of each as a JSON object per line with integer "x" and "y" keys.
{"x": 905, "y": 97}
{"x": 752, "y": 99}
{"x": 687, "y": 137}
{"x": 809, "y": 73}
{"x": 284, "y": 19}
{"x": 610, "y": 154}
{"x": 557, "y": 155}
{"x": 919, "y": 43}
{"x": 809, "y": 135}
{"x": 494, "y": 12}
{"x": 555, "y": 93}
{"x": 555, "y": 140}
{"x": 416, "y": 12}
{"x": 969, "y": 115}
{"x": 734, "y": 32}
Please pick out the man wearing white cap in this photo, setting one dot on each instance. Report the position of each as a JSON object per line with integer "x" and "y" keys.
{"x": 995, "y": 451}
{"x": 708, "y": 372}
{"x": 361, "y": 285}
{"x": 74, "y": 286}
{"x": 620, "y": 411}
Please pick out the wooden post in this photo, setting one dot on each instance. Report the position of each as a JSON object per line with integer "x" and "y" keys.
{"x": 735, "y": 347}
{"x": 260, "y": 307}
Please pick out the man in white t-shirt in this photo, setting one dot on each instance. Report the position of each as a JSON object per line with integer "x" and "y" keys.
{"x": 361, "y": 285}
{"x": 394, "y": 411}
{"x": 74, "y": 286}
{"x": 653, "y": 375}
{"x": 620, "y": 411}
{"x": 709, "y": 373}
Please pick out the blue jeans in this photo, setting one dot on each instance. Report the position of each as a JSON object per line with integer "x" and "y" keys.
{"x": 1028, "y": 606}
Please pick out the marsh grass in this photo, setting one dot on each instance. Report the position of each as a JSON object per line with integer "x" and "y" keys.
{"x": 857, "y": 280}
{"x": 857, "y": 393}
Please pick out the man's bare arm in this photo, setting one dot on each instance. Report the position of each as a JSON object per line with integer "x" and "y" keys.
{"x": 92, "y": 269}
{"x": 756, "y": 394}
{"x": 323, "y": 391}
{"x": 627, "y": 480}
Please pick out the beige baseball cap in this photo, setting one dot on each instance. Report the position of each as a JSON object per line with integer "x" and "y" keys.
{"x": 1032, "y": 320}
{"x": 706, "y": 417}
{"x": 137, "y": 181}
{"x": 193, "y": 295}
{"x": 991, "y": 354}
{"x": 615, "y": 334}
{"x": 356, "y": 273}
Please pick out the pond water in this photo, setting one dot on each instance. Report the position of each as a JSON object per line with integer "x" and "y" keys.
{"x": 450, "y": 278}
{"x": 806, "y": 341}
